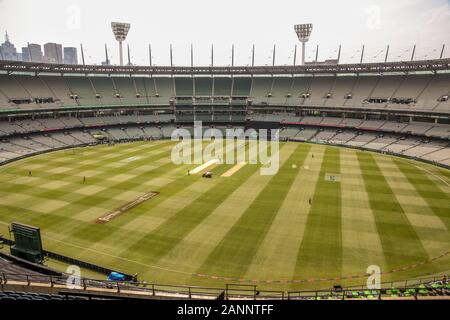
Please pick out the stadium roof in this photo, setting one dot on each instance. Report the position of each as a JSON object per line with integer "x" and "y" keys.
{"x": 409, "y": 66}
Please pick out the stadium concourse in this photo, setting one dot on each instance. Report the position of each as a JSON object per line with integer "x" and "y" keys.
{"x": 397, "y": 108}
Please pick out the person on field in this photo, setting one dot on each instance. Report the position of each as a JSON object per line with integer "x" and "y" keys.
{"x": 29, "y": 173}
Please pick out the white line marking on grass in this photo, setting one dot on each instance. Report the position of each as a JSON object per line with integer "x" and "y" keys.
{"x": 131, "y": 159}
{"x": 204, "y": 166}
{"x": 413, "y": 163}
{"x": 233, "y": 170}
{"x": 434, "y": 175}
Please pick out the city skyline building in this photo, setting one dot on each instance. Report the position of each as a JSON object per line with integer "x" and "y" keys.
{"x": 53, "y": 52}
{"x": 32, "y": 53}
{"x": 7, "y": 50}
{"x": 70, "y": 55}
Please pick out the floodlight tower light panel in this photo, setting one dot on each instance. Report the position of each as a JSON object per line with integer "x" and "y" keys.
{"x": 303, "y": 31}
{"x": 120, "y": 30}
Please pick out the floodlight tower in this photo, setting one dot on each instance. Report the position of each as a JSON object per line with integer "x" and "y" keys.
{"x": 120, "y": 31}
{"x": 303, "y": 33}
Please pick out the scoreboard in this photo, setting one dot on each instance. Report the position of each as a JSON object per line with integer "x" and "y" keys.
{"x": 27, "y": 242}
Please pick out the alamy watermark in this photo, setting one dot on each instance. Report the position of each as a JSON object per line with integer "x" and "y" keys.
{"x": 374, "y": 277}
{"x": 373, "y": 21}
{"x": 74, "y": 279}
{"x": 231, "y": 146}
{"x": 73, "y": 20}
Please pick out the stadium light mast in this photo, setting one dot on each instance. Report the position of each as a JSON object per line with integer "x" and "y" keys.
{"x": 413, "y": 53}
{"x": 212, "y": 55}
{"x": 253, "y": 56}
{"x": 303, "y": 33}
{"x": 106, "y": 55}
{"x": 30, "y": 56}
{"x": 339, "y": 54}
{"x": 317, "y": 53}
{"x": 362, "y": 53}
{"x": 192, "y": 56}
{"x": 82, "y": 54}
{"x": 273, "y": 55}
{"x": 129, "y": 56}
{"x": 150, "y": 55}
{"x": 295, "y": 54}
{"x": 120, "y": 31}
{"x": 232, "y": 55}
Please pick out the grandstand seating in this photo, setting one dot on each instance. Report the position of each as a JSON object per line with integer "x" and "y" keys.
{"x": 106, "y": 90}
{"x": 222, "y": 86}
{"x": 126, "y": 87}
{"x": 83, "y": 88}
{"x": 361, "y": 90}
{"x": 424, "y": 90}
{"x": 261, "y": 87}
{"x": 422, "y": 290}
{"x": 241, "y": 86}
{"x": 343, "y": 86}
{"x": 320, "y": 87}
{"x": 203, "y": 86}
{"x": 164, "y": 90}
{"x": 280, "y": 90}
{"x": 223, "y": 99}
{"x": 184, "y": 86}
{"x": 386, "y": 87}
{"x": 31, "y": 296}
{"x": 299, "y": 86}
{"x": 61, "y": 92}
{"x": 27, "y": 136}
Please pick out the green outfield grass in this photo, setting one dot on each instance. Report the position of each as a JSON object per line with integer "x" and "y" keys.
{"x": 366, "y": 209}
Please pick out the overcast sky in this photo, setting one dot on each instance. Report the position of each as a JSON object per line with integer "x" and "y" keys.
{"x": 375, "y": 23}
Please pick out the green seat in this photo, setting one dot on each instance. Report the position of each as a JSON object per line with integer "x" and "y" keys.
{"x": 436, "y": 286}
{"x": 423, "y": 292}
{"x": 392, "y": 293}
{"x": 410, "y": 292}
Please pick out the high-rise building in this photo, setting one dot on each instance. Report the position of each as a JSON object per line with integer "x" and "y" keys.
{"x": 26, "y": 54}
{"x": 32, "y": 53}
{"x": 70, "y": 55}
{"x": 53, "y": 53}
{"x": 8, "y": 50}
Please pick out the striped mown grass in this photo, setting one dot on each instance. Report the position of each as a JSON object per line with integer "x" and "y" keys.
{"x": 328, "y": 213}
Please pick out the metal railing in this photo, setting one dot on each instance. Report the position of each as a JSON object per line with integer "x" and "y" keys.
{"x": 396, "y": 289}
{"x": 141, "y": 289}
